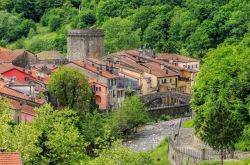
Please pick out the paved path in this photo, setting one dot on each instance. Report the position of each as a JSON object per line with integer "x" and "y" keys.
{"x": 149, "y": 136}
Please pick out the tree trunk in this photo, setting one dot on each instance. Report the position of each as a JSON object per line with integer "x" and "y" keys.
{"x": 221, "y": 155}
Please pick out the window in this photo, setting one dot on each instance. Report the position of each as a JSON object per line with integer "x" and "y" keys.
{"x": 196, "y": 66}
{"x": 165, "y": 81}
{"x": 162, "y": 81}
{"x": 94, "y": 87}
{"x": 170, "y": 80}
{"x": 158, "y": 82}
{"x": 26, "y": 78}
{"x": 188, "y": 66}
{"x": 100, "y": 89}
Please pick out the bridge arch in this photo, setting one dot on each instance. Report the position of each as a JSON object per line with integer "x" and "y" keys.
{"x": 182, "y": 97}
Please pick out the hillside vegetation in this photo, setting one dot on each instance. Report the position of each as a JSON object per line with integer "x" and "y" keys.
{"x": 188, "y": 27}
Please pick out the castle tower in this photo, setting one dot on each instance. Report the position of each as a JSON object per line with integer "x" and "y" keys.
{"x": 85, "y": 43}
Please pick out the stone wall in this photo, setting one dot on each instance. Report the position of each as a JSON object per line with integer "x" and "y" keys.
{"x": 82, "y": 44}
{"x": 178, "y": 110}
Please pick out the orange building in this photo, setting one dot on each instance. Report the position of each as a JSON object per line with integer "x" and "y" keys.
{"x": 101, "y": 94}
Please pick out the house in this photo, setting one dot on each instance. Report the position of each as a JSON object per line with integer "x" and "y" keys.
{"x": 22, "y": 100}
{"x": 181, "y": 61}
{"x": 20, "y": 57}
{"x": 22, "y": 111}
{"x": 185, "y": 75}
{"x": 101, "y": 76}
{"x": 148, "y": 74}
{"x": 101, "y": 94}
{"x": 51, "y": 57}
{"x": 10, "y": 158}
{"x": 14, "y": 72}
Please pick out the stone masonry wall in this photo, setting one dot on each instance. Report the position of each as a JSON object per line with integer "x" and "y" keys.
{"x": 82, "y": 44}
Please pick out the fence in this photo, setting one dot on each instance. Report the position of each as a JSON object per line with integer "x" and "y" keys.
{"x": 180, "y": 153}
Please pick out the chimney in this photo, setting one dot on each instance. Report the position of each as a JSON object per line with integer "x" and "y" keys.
{"x": 162, "y": 67}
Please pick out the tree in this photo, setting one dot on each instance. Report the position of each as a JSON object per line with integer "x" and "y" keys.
{"x": 120, "y": 36}
{"x": 5, "y": 123}
{"x": 131, "y": 115}
{"x": 219, "y": 97}
{"x": 121, "y": 155}
{"x": 59, "y": 138}
{"x": 71, "y": 88}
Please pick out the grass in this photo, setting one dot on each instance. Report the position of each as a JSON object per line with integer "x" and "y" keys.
{"x": 160, "y": 153}
{"x": 240, "y": 162}
{"x": 188, "y": 124}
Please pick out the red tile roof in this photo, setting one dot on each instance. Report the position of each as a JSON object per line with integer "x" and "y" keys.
{"x": 11, "y": 92}
{"x": 95, "y": 82}
{"x": 97, "y": 61}
{"x": 7, "y": 55}
{"x": 4, "y": 67}
{"x": 172, "y": 56}
{"x": 160, "y": 71}
{"x": 135, "y": 53}
{"x": 27, "y": 109}
{"x": 10, "y": 158}
{"x": 94, "y": 69}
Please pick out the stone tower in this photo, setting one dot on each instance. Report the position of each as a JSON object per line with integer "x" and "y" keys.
{"x": 85, "y": 43}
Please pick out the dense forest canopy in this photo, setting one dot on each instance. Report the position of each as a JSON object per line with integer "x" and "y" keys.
{"x": 188, "y": 27}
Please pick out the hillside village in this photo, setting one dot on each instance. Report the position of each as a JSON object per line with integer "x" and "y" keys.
{"x": 25, "y": 76}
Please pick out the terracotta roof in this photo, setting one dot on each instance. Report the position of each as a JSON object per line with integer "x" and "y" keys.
{"x": 7, "y": 55}
{"x": 95, "y": 82}
{"x": 4, "y": 67}
{"x": 11, "y": 92}
{"x": 94, "y": 69}
{"x": 10, "y": 158}
{"x": 160, "y": 71}
{"x": 171, "y": 56}
{"x": 130, "y": 75}
{"x": 49, "y": 55}
{"x": 27, "y": 109}
{"x": 97, "y": 61}
{"x": 38, "y": 76}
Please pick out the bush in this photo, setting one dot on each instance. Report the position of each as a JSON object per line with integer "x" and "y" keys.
{"x": 165, "y": 117}
{"x": 131, "y": 115}
{"x": 54, "y": 23}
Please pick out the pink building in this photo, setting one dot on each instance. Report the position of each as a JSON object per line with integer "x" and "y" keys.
{"x": 101, "y": 94}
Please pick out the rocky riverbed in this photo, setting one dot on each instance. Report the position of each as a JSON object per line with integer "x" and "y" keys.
{"x": 149, "y": 136}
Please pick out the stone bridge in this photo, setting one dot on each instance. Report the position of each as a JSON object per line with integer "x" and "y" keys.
{"x": 182, "y": 97}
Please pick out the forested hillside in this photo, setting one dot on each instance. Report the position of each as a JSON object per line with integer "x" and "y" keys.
{"x": 188, "y": 27}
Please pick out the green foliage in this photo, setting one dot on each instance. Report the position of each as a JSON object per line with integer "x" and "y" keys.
{"x": 96, "y": 129}
{"x": 220, "y": 95}
{"x": 244, "y": 143}
{"x": 13, "y": 26}
{"x": 54, "y": 23}
{"x": 165, "y": 118}
{"x": 120, "y": 155}
{"x": 71, "y": 89}
{"x": 59, "y": 137}
{"x": 159, "y": 153}
{"x": 188, "y": 124}
{"x": 51, "y": 138}
{"x": 131, "y": 115}
{"x": 119, "y": 35}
